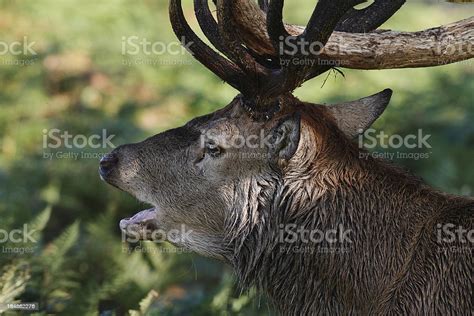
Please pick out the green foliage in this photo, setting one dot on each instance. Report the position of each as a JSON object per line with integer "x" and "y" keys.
{"x": 12, "y": 283}
{"x": 145, "y": 304}
{"x": 79, "y": 81}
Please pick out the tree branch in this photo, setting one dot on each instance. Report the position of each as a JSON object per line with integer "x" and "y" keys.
{"x": 391, "y": 49}
{"x": 376, "y": 50}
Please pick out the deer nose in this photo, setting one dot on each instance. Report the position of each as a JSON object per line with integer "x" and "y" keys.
{"x": 107, "y": 163}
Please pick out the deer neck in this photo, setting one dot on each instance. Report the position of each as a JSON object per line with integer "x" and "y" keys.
{"x": 338, "y": 237}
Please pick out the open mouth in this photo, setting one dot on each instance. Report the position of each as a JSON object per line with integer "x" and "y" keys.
{"x": 141, "y": 226}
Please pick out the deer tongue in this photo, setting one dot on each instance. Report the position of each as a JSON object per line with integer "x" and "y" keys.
{"x": 141, "y": 225}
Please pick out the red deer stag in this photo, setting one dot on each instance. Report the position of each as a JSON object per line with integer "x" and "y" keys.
{"x": 246, "y": 204}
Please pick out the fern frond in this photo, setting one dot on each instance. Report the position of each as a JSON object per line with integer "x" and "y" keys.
{"x": 145, "y": 304}
{"x": 13, "y": 283}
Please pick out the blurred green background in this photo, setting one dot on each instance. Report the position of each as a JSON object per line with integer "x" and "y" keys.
{"x": 84, "y": 77}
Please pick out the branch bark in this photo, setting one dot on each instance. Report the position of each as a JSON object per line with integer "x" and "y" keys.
{"x": 375, "y": 50}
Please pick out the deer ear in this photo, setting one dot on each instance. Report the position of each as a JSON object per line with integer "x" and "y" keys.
{"x": 284, "y": 137}
{"x": 353, "y": 118}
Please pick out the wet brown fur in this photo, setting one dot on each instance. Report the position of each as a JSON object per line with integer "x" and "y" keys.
{"x": 395, "y": 265}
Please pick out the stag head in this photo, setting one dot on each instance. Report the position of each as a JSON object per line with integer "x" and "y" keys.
{"x": 222, "y": 191}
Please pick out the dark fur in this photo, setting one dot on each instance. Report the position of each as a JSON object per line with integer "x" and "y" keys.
{"x": 393, "y": 266}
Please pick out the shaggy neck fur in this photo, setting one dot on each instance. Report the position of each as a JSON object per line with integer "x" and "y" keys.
{"x": 328, "y": 187}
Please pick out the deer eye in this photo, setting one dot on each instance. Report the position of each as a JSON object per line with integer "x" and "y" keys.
{"x": 213, "y": 150}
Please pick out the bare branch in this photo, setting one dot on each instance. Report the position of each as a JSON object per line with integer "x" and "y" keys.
{"x": 390, "y": 49}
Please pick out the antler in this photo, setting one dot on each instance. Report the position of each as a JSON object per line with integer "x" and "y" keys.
{"x": 369, "y": 18}
{"x": 297, "y": 65}
{"x": 260, "y": 59}
{"x": 257, "y": 76}
{"x": 226, "y": 70}
{"x": 348, "y": 47}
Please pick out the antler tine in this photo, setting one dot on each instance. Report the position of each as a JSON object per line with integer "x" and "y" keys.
{"x": 236, "y": 50}
{"x": 324, "y": 19}
{"x": 210, "y": 28}
{"x": 263, "y": 4}
{"x": 207, "y": 23}
{"x": 225, "y": 69}
{"x": 246, "y": 65}
{"x": 364, "y": 20}
{"x": 370, "y": 18}
{"x": 275, "y": 26}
